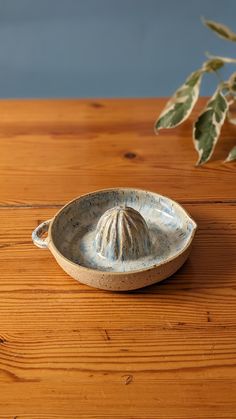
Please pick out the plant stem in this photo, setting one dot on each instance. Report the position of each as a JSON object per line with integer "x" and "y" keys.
{"x": 218, "y": 76}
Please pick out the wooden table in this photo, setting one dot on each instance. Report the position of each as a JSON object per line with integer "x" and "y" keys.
{"x": 69, "y": 351}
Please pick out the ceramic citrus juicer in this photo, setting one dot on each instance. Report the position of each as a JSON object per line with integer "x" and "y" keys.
{"x": 119, "y": 239}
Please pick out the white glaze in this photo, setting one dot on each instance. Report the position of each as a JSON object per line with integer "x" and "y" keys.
{"x": 169, "y": 226}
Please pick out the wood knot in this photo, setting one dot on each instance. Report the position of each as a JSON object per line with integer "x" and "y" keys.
{"x": 128, "y": 378}
{"x": 130, "y": 155}
{"x": 96, "y": 105}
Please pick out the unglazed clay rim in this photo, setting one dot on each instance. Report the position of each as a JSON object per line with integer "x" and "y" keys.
{"x": 51, "y": 244}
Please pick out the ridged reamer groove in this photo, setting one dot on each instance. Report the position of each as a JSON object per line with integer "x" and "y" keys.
{"x": 122, "y": 234}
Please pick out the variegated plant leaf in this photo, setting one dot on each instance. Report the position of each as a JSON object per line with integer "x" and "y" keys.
{"x": 232, "y": 83}
{"x": 231, "y": 115}
{"x": 179, "y": 107}
{"x": 213, "y": 64}
{"x": 208, "y": 126}
{"x": 231, "y": 87}
{"x": 231, "y": 155}
{"x": 231, "y": 118}
{"x": 226, "y": 60}
{"x": 221, "y": 30}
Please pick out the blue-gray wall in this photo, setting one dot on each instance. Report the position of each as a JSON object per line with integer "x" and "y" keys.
{"x": 105, "y": 48}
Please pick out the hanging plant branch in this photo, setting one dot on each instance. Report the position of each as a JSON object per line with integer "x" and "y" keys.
{"x": 208, "y": 126}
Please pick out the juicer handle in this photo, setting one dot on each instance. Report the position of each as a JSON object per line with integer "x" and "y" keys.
{"x": 37, "y": 235}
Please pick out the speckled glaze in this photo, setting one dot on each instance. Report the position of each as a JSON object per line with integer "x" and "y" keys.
{"x": 119, "y": 239}
{"x": 122, "y": 235}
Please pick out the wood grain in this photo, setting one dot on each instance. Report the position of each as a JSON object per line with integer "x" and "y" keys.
{"x": 94, "y": 351}
{"x": 69, "y": 351}
{"x": 75, "y": 147}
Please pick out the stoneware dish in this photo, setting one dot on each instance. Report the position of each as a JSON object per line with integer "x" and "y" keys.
{"x": 119, "y": 239}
